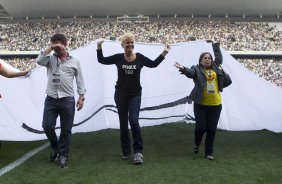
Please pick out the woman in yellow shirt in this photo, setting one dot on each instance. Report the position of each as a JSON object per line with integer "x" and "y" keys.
{"x": 208, "y": 79}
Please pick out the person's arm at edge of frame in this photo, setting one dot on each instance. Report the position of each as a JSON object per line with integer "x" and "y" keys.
{"x": 11, "y": 74}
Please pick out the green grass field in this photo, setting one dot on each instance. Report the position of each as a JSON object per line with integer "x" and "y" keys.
{"x": 241, "y": 157}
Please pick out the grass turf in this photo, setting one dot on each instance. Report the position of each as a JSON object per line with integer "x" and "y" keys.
{"x": 241, "y": 157}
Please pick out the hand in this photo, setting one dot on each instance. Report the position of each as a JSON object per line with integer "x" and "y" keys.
{"x": 100, "y": 41}
{"x": 58, "y": 47}
{"x": 79, "y": 103}
{"x": 166, "y": 50}
{"x": 179, "y": 66}
{"x": 27, "y": 73}
{"x": 209, "y": 41}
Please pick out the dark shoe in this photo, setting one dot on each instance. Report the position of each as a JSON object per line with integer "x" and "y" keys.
{"x": 209, "y": 157}
{"x": 54, "y": 156}
{"x": 196, "y": 149}
{"x": 63, "y": 162}
{"x": 125, "y": 157}
{"x": 138, "y": 158}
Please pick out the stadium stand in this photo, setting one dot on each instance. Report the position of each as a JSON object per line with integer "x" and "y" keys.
{"x": 29, "y": 38}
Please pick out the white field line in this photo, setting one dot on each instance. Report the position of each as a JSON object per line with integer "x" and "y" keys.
{"x": 22, "y": 159}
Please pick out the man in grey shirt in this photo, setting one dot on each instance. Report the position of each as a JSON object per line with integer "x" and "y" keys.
{"x": 61, "y": 71}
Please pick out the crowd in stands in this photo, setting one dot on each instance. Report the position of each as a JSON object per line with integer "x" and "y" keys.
{"x": 234, "y": 36}
{"x": 268, "y": 69}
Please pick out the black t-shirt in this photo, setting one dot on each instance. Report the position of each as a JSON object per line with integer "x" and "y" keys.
{"x": 129, "y": 72}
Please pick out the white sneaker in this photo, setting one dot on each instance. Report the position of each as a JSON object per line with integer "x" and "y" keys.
{"x": 210, "y": 157}
{"x": 138, "y": 158}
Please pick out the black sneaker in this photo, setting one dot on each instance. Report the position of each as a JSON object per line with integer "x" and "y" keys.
{"x": 54, "y": 156}
{"x": 125, "y": 157}
{"x": 63, "y": 162}
{"x": 138, "y": 158}
{"x": 196, "y": 149}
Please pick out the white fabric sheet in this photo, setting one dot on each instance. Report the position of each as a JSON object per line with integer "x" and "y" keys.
{"x": 250, "y": 103}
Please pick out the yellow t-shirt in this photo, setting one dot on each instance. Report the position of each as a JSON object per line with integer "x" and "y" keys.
{"x": 211, "y": 94}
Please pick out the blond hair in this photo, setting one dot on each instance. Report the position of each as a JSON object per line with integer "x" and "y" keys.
{"x": 127, "y": 36}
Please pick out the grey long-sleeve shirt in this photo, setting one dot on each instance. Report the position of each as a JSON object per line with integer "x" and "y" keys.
{"x": 61, "y": 75}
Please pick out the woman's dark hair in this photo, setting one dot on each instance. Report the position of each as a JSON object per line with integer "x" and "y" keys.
{"x": 59, "y": 37}
{"x": 202, "y": 55}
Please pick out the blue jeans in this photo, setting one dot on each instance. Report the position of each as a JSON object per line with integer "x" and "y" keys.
{"x": 65, "y": 108}
{"x": 128, "y": 110}
{"x": 206, "y": 122}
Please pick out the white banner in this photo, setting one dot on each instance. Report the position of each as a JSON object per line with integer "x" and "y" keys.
{"x": 250, "y": 103}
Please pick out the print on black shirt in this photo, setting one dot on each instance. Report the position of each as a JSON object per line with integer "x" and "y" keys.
{"x": 129, "y": 69}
